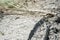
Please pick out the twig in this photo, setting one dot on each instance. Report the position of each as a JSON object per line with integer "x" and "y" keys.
{"x": 47, "y": 33}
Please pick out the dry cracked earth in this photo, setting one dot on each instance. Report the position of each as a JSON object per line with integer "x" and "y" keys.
{"x": 40, "y": 20}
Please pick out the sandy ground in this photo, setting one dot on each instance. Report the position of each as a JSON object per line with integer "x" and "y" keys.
{"x": 16, "y": 27}
{"x": 16, "y": 23}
